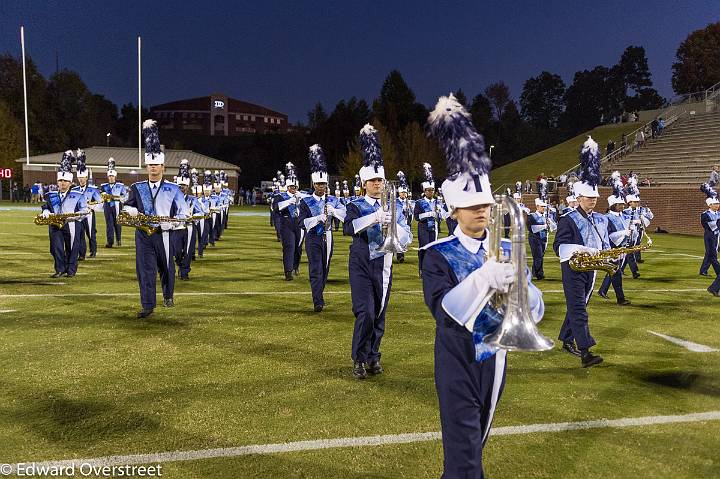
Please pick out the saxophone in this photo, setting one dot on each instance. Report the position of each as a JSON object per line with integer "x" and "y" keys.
{"x": 57, "y": 219}
{"x": 107, "y": 197}
{"x": 605, "y": 260}
{"x": 145, "y": 222}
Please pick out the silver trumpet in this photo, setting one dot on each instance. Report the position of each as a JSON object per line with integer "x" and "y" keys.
{"x": 391, "y": 241}
{"x": 518, "y": 331}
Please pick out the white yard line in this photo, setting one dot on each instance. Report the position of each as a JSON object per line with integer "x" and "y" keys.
{"x": 689, "y": 345}
{"x": 3, "y": 311}
{"x": 292, "y": 293}
{"x": 321, "y": 444}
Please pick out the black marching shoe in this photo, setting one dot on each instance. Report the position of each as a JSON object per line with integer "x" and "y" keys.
{"x": 81, "y": 258}
{"x": 144, "y": 313}
{"x": 624, "y": 302}
{"x": 704, "y": 274}
{"x": 589, "y": 359}
{"x": 288, "y": 276}
{"x": 318, "y": 308}
{"x": 640, "y": 261}
{"x": 571, "y": 348}
{"x": 119, "y": 243}
{"x": 603, "y": 295}
{"x": 296, "y": 272}
{"x": 108, "y": 245}
{"x": 56, "y": 275}
{"x": 168, "y": 303}
{"x": 70, "y": 275}
{"x": 636, "y": 275}
{"x": 185, "y": 278}
{"x": 92, "y": 255}
{"x": 359, "y": 371}
{"x": 374, "y": 367}
{"x": 714, "y": 293}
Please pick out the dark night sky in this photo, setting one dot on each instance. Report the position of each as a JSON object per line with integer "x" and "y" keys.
{"x": 289, "y": 55}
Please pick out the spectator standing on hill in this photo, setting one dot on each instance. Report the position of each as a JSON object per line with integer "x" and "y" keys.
{"x": 610, "y": 147}
{"x": 661, "y": 125}
{"x": 654, "y": 128}
{"x": 27, "y": 193}
{"x": 528, "y": 188}
{"x": 714, "y": 176}
{"x": 639, "y": 139}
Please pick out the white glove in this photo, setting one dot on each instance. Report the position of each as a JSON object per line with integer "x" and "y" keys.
{"x": 588, "y": 249}
{"x": 166, "y": 225}
{"x": 636, "y": 222}
{"x": 498, "y": 276}
{"x": 322, "y": 218}
{"x": 330, "y": 210}
{"x": 45, "y": 214}
{"x": 131, "y": 210}
{"x": 383, "y": 217}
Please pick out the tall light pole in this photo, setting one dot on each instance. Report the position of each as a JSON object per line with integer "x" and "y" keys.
{"x": 491, "y": 147}
{"x": 107, "y": 139}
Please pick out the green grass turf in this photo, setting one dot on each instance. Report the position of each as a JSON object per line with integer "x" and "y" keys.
{"x": 82, "y": 378}
{"x": 556, "y": 159}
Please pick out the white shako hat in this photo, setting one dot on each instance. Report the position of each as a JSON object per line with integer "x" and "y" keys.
{"x": 183, "y": 177}
{"x": 632, "y": 190}
{"x": 291, "y": 178}
{"x": 617, "y": 197}
{"x": 402, "y": 183}
{"x": 81, "y": 170}
{"x": 712, "y": 196}
{"x": 111, "y": 167}
{"x": 318, "y": 164}
{"x": 207, "y": 180}
{"x": 429, "y": 180}
{"x": 65, "y": 167}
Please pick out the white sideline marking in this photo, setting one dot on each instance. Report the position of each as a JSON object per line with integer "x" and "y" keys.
{"x": 689, "y": 345}
{"x": 2, "y": 311}
{"x": 320, "y": 444}
{"x": 292, "y": 293}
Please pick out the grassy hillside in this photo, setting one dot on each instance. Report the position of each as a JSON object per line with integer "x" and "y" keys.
{"x": 558, "y": 158}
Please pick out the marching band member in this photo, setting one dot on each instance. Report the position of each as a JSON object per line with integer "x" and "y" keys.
{"x": 640, "y": 216}
{"x": 345, "y": 193}
{"x": 185, "y": 237}
{"x": 446, "y": 214}
{"x": 286, "y": 206}
{"x": 92, "y": 195}
{"x": 406, "y": 205}
{"x": 336, "y": 221}
{"x": 65, "y": 240}
{"x": 711, "y": 234}
{"x": 111, "y": 209}
{"x": 155, "y": 197}
{"x": 539, "y": 226}
{"x": 316, "y": 213}
{"x": 426, "y": 212}
{"x": 274, "y": 216}
{"x": 357, "y": 189}
{"x": 201, "y": 224}
{"x": 209, "y": 203}
{"x": 620, "y": 230}
{"x": 228, "y": 198}
{"x": 220, "y": 205}
{"x": 458, "y": 282}
{"x": 571, "y": 204}
{"x": 370, "y": 270}
{"x": 586, "y": 231}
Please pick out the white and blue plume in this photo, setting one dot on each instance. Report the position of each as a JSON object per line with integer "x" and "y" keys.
{"x": 80, "y": 161}
{"x": 464, "y": 147}
{"x": 370, "y": 146}
{"x": 316, "y": 156}
{"x": 708, "y": 190}
{"x": 402, "y": 180}
{"x": 66, "y": 162}
{"x": 152, "y": 139}
{"x": 590, "y": 162}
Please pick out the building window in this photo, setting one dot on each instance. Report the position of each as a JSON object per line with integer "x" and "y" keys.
{"x": 265, "y": 119}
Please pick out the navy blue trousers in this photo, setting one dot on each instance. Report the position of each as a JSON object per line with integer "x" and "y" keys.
{"x": 317, "y": 250}
{"x": 184, "y": 247}
{"x": 425, "y": 236}
{"x": 537, "y": 248}
{"x": 715, "y": 286}
{"x": 468, "y": 393}
{"x": 710, "y": 258}
{"x": 217, "y": 226}
{"x": 578, "y": 287}
{"x": 290, "y": 237}
{"x": 204, "y": 235}
{"x": 616, "y": 281}
{"x": 226, "y": 214}
{"x": 154, "y": 254}
{"x": 370, "y": 284}
{"x": 112, "y": 229}
{"x": 65, "y": 246}
{"x": 90, "y": 231}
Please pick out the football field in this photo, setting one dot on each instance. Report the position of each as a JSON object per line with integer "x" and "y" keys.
{"x": 242, "y": 360}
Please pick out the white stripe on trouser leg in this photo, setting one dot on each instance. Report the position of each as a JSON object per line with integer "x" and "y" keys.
{"x": 166, "y": 247}
{"x": 71, "y": 227}
{"x": 500, "y": 358}
{"x": 190, "y": 232}
{"x": 202, "y": 227}
{"x": 328, "y": 243}
{"x": 592, "y": 287}
{"x": 387, "y": 272}
{"x": 117, "y": 209}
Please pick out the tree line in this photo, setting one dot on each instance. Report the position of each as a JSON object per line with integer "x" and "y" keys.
{"x": 64, "y": 113}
